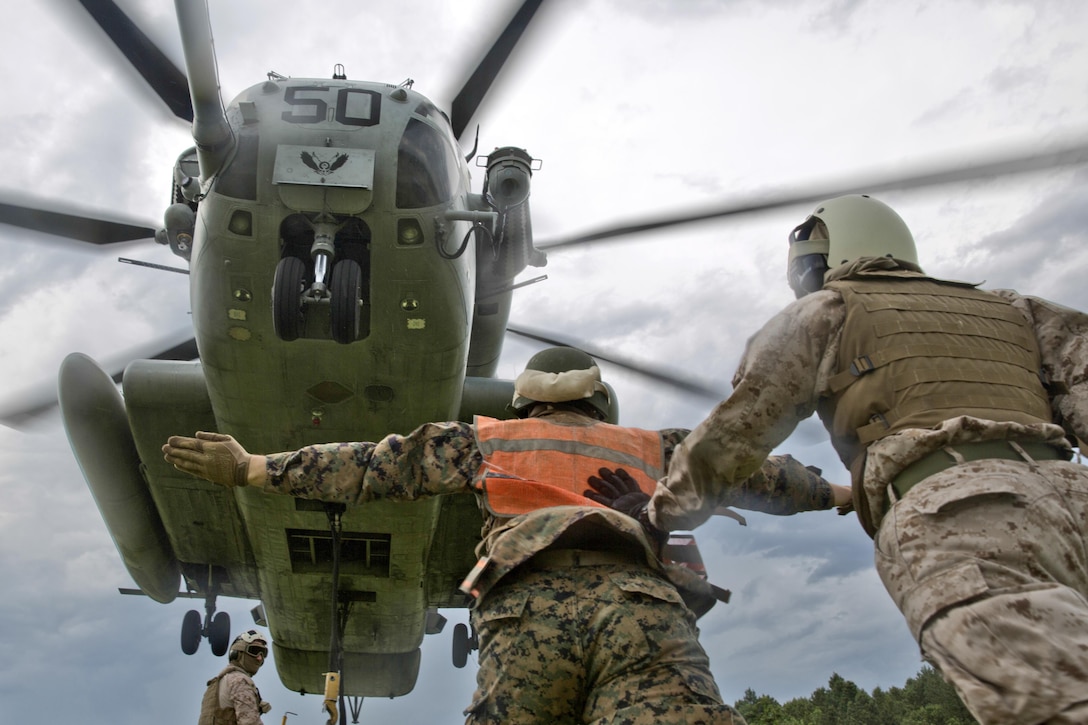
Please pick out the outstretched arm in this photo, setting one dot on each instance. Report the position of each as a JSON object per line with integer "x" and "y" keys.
{"x": 434, "y": 459}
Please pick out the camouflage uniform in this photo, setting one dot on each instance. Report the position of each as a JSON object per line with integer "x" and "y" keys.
{"x": 232, "y": 699}
{"x": 581, "y": 641}
{"x": 987, "y": 560}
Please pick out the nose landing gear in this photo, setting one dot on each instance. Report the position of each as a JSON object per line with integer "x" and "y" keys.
{"x": 215, "y": 627}
{"x": 465, "y": 641}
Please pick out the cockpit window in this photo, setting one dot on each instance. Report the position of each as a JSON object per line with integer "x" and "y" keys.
{"x": 426, "y": 168}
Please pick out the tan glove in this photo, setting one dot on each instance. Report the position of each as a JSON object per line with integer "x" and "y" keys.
{"x": 213, "y": 456}
{"x": 265, "y": 707}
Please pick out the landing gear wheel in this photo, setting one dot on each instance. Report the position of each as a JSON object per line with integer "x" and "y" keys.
{"x": 344, "y": 289}
{"x": 287, "y": 298}
{"x": 463, "y": 644}
{"x": 219, "y": 634}
{"x": 190, "y": 632}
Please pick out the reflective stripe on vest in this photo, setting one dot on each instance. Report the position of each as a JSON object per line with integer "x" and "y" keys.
{"x": 532, "y": 463}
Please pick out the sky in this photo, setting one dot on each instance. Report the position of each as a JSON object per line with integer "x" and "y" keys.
{"x": 634, "y": 108}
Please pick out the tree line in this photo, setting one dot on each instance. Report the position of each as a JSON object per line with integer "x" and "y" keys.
{"x": 925, "y": 699}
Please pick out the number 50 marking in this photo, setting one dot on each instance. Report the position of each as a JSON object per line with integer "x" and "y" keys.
{"x": 354, "y": 106}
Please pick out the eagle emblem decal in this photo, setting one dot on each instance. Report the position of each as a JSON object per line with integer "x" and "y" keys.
{"x": 322, "y": 166}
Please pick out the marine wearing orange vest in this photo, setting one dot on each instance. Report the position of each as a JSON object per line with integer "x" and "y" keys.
{"x": 583, "y": 582}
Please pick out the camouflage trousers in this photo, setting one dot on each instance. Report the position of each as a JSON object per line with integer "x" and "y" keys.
{"x": 988, "y": 561}
{"x": 610, "y": 643}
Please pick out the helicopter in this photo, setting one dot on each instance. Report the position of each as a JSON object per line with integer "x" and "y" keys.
{"x": 347, "y": 204}
{"x": 542, "y": 176}
{"x": 345, "y": 282}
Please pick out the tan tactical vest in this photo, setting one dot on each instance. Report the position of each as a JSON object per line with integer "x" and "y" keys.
{"x": 210, "y": 712}
{"x": 916, "y": 351}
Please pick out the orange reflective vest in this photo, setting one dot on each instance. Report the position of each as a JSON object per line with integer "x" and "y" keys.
{"x": 531, "y": 464}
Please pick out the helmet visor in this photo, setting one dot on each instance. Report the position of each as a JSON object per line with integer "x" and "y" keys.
{"x": 808, "y": 257}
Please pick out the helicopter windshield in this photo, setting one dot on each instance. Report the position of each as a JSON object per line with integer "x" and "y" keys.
{"x": 426, "y": 167}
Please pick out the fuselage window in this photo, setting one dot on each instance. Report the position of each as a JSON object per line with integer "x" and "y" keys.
{"x": 426, "y": 167}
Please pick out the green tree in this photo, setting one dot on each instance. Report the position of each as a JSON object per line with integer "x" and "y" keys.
{"x": 925, "y": 699}
{"x": 757, "y": 710}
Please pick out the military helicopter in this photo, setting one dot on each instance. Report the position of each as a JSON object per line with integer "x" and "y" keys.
{"x": 310, "y": 322}
{"x": 345, "y": 283}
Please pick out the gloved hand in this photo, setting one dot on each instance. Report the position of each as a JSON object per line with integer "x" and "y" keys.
{"x": 617, "y": 490}
{"x": 265, "y": 707}
{"x": 213, "y": 456}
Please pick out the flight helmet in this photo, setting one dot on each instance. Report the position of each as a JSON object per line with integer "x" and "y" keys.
{"x": 840, "y": 231}
{"x": 561, "y": 375}
{"x": 246, "y": 647}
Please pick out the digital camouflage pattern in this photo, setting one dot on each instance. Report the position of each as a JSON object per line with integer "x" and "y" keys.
{"x": 441, "y": 458}
{"x": 595, "y": 644}
{"x": 1007, "y": 520}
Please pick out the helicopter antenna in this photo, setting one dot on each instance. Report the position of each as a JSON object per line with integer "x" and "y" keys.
{"x": 475, "y": 145}
{"x": 163, "y": 267}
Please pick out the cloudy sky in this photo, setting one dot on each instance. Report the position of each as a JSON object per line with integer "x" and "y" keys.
{"x": 635, "y": 107}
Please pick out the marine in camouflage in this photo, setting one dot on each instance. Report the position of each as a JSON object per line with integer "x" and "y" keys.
{"x": 629, "y": 620}
{"x": 987, "y": 560}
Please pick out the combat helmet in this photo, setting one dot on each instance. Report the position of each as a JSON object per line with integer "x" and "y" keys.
{"x": 246, "y": 647}
{"x": 842, "y": 230}
{"x": 562, "y": 375}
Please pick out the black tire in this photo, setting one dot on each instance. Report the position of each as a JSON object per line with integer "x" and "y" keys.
{"x": 344, "y": 290}
{"x": 462, "y": 645}
{"x": 190, "y": 632}
{"x": 287, "y": 290}
{"x": 219, "y": 634}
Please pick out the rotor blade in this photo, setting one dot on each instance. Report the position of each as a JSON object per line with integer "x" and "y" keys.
{"x": 655, "y": 373}
{"x": 472, "y": 94}
{"x": 1071, "y": 155}
{"x": 72, "y": 226}
{"x": 21, "y": 410}
{"x": 157, "y": 70}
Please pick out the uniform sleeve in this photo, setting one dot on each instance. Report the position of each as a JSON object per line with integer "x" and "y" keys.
{"x": 785, "y": 368}
{"x": 242, "y": 696}
{"x": 781, "y": 486}
{"x": 434, "y": 459}
{"x": 1062, "y": 334}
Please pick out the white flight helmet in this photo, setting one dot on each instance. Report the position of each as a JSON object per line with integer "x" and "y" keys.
{"x": 246, "y": 647}
{"x": 840, "y": 231}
